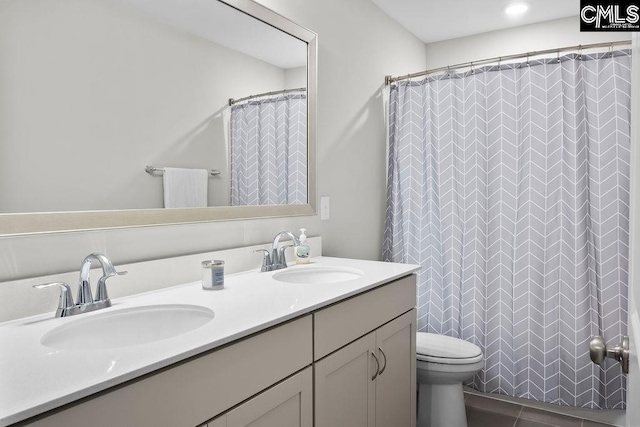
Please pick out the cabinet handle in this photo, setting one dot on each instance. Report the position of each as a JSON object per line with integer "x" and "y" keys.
{"x": 377, "y": 366}
{"x": 385, "y": 361}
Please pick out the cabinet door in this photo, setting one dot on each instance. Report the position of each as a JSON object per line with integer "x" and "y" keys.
{"x": 345, "y": 386}
{"x": 288, "y": 404}
{"x": 396, "y": 381}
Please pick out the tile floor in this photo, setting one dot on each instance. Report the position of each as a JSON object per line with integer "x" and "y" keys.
{"x": 486, "y": 412}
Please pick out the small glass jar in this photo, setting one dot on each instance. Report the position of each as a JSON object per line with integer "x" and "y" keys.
{"x": 213, "y": 274}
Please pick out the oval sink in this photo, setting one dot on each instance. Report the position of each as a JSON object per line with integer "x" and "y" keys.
{"x": 127, "y": 327}
{"x": 318, "y": 275}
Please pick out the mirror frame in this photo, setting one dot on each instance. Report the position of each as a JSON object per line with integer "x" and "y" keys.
{"x": 57, "y": 222}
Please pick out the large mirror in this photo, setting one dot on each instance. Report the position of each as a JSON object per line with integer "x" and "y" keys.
{"x": 120, "y": 113}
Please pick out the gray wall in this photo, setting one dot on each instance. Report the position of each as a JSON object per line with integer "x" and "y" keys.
{"x": 358, "y": 46}
{"x": 295, "y": 78}
{"x": 528, "y": 38}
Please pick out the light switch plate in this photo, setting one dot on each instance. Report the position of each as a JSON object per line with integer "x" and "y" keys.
{"x": 325, "y": 208}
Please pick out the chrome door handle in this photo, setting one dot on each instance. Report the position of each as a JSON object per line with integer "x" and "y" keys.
{"x": 599, "y": 351}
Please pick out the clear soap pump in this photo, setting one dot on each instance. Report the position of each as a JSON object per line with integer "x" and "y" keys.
{"x": 303, "y": 250}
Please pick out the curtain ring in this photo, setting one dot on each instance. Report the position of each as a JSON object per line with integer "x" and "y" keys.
{"x": 527, "y": 59}
{"x": 471, "y": 67}
{"x": 580, "y": 52}
{"x": 558, "y": 55}
{"x": 611, "y": 50}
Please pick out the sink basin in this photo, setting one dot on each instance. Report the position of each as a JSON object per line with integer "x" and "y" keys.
{"x": 127, "y": 327}
{"x": 318, "y": 275}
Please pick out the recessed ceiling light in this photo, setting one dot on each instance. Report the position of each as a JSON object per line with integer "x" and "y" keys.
{"x": 516, "y": 8}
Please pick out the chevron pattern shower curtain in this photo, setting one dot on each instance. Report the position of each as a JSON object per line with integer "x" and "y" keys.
{"x": 510, "y": 186}
{"x": 269, "y": 151}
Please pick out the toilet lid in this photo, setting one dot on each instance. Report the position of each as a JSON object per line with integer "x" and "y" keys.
{"x": 443, "y": 349}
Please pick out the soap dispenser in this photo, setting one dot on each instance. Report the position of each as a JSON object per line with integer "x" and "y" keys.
{"x": 303, "y": 250}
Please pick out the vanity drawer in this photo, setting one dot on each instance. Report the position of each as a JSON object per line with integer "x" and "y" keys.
{"x": 344, "y": 322}
{"x": 195, "y": 391}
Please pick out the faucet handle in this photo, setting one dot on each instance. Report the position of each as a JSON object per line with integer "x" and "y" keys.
{"x": 114, "y": 273}
{"x": 281, "y": 256}
{"x": 66, "y": 301}
{"x": 101, "y": 287}
{"x": 266, "y": 261}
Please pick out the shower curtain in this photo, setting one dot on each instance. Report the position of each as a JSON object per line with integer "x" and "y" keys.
{"x": 269, "y": 151}
{"x": 509, "y": 184}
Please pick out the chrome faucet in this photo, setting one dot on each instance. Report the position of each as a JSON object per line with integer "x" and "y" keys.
{"x": 276, "y": 259}
{"x": 84, "y": 288}
{"x": 85, "y": 302}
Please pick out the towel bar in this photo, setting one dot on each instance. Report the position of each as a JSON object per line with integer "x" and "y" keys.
{"x": 152, "y": 169}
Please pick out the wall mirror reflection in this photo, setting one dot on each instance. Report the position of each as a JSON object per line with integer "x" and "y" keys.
{"x": 106, "y": 103}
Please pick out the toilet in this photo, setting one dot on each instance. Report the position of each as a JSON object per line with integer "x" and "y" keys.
{"x": 443, "y": 364}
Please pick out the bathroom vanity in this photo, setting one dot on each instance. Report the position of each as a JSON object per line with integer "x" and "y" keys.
{"x": 327, "y": 344}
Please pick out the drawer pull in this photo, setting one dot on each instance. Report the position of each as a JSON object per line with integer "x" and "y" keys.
{"x": 377, "y": 366}
{"x": 385, "y": 361}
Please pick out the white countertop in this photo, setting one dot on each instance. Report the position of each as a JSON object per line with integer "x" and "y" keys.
{"x": 35, "y": 378}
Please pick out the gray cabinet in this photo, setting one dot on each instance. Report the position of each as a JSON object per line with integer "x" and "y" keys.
{"x": 370, "y": 382}
{"x": 345, "y": 386}
{"x": 190, "y": 393}
{"x": 358, "y": 355}
{"x": 288, "y": 404}
{"x": 396, "y": 382}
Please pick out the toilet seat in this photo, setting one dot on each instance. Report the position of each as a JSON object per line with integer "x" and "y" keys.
{"x": 442, "y": 349}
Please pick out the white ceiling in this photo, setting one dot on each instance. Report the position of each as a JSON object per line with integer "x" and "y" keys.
{"x": 435, "y": 20}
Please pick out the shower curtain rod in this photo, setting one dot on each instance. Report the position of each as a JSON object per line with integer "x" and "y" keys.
{"x": 276, "y": 92}
{"x": 389, "y": 79}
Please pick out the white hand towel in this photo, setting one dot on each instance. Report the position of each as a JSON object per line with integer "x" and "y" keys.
{"x": 185, "y": 188}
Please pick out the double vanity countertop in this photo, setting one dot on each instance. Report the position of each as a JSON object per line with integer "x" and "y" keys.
{"x": 35, "y": 378}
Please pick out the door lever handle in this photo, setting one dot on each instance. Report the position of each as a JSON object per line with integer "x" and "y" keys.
{"x": 599, "y": 351}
